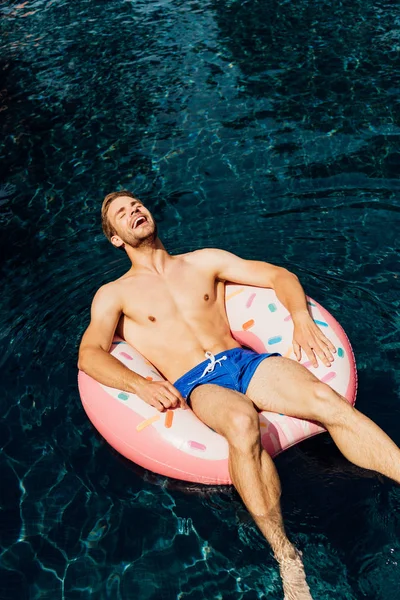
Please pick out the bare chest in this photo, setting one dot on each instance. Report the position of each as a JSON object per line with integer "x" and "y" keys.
{"x": 183, "y": 292}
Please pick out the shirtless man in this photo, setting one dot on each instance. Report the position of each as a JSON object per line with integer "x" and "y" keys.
{"x": 171, "y": 308}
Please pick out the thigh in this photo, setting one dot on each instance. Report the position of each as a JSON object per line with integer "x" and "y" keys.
{"x": 284, "y": 386}
{"x": 216, "y": 405}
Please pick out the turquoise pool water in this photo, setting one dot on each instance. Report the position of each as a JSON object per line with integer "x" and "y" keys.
{"x": 270, "y": 129}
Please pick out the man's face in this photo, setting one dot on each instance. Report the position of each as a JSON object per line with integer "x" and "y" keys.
{"x": 133, "y": 223}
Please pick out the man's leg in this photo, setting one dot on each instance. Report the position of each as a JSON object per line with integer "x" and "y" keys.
{"x": 284, "y": 386}
{"x": 253, "y": 474}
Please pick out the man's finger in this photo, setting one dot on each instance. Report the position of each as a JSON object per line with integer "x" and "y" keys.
{"x": 331, "y": 346}
{"x": 310, "y": 355}
{"x": 321, "y": 355}
{"x": 327, "y": 353}
{"x": 184, "y": 404}
{"x": 174, "y": 391}
{"x": 177, "y": 399}
{"x": 172, "y": 397}
{"x": 157, "y": 405}
{"x": 297, "y": 350}
{"x": 326, "y": 341}
{"x": 318, "y": 351}
{"x": 166, "y": 402}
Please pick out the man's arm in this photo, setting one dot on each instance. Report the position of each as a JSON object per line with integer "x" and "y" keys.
{"x": 229, "y": 267}
{"x": 95, "y": 360}
{"x": 288, "y": 289}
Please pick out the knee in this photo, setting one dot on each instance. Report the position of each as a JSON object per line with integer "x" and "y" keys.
{"x": 243, "y": 429}
{"x": 329, "y": 407}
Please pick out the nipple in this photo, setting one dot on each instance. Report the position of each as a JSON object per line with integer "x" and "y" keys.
{"x": 206, "y": 297}
{"x": 151, "y": 318}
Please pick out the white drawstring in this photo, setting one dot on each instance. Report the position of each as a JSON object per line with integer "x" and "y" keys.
{"x": 210, "y": 367}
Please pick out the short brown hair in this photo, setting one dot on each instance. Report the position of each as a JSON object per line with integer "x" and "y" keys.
{"x": 108, "y": 229}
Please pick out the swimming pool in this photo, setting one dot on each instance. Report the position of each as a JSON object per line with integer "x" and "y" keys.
{"x": 285, "y": 112}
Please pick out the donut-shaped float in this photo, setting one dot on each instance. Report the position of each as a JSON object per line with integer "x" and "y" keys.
{"x": 176, "y": 443}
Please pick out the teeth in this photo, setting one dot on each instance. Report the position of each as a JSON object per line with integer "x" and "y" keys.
{"x": 138, "y": 221}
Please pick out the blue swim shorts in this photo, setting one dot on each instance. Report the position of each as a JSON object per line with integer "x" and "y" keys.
{"x": 231, "y": 369}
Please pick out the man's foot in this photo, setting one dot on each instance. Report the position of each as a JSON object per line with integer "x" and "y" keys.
{"x": 294, "y": 582}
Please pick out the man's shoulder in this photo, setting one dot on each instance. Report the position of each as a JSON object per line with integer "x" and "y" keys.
{"x": 202, "y": 255}
{"x": 117, "y": 284}
{"x": 210, "y": 258}
{"x": 108, "y": 293}
{"x": 108, "y": 288}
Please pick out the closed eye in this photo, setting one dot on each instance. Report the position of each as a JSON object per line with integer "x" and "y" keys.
{"x": 122, "y": 212}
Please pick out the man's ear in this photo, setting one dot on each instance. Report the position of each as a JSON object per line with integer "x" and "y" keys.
{"x": 116, "y": 241}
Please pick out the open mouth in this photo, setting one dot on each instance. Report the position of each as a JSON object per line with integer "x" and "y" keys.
{"x": 139, "y": 221}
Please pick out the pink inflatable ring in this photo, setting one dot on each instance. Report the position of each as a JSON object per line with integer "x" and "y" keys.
{"x": 176, "y": 443}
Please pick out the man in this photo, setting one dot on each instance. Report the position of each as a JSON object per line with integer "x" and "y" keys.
{"x": 171, "y": 308}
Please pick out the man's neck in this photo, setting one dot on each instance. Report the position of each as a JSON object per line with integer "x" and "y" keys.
{"x": 148, "y": 258}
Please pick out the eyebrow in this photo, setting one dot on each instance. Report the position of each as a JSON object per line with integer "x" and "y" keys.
{"x": 120, "y": 210}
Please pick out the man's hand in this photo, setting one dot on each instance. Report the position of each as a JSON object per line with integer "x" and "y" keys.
{"x": 160, "y": 394}
{"x": 307, "y": 335}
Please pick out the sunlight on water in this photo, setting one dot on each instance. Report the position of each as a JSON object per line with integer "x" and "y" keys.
{"x": 269, "y": 129}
